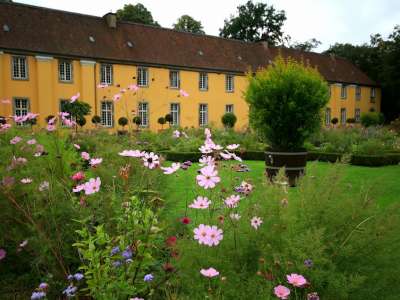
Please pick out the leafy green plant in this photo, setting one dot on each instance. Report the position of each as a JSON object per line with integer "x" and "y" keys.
{"x": 161, "y": 121}
{"x": 372, "y": 119}
{"x": 229, "y": 120}
{"x": 285, "y": 101}
{"x": 123, "y": 122}
{"x": 334, "y": 121}
{"x": 96, "y": 120}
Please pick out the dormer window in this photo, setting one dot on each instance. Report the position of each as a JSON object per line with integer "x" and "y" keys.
{"x": 343, "y": 92}
{"x": 106, "y": 74}
{"x": 229, "y": 83}
{"x": 65, "y": 71}
{"x": 373, "y": 94}
{"x": 203, "y": 81}
{"x": 174, "y": 80}
{"x": 142, "y": 76}
{"x": 19, "y": 68}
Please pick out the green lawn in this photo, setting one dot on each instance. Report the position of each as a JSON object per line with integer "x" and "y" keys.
{"x": 383, "y": 183}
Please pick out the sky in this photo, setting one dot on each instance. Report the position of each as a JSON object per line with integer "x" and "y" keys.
{"x": 329, "y": 21}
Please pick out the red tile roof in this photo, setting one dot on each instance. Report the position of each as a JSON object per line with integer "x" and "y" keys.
{"x": 46, "y": 31}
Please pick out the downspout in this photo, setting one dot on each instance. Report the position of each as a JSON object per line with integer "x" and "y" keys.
{"x": 95, "y": 89}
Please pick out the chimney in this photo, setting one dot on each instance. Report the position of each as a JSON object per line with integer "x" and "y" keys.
{"x": 111, "y": 20}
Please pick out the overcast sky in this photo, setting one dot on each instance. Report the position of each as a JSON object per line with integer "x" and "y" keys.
{"x": 329, "y": 21}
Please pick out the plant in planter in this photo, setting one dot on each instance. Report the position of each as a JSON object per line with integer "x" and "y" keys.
{"x": 137, "y": 120}
{"x": 81, "y": 121}
{"x": 334, "y": 121}
{"x": 168, "y": 118}
{"x": 96, "y": 120}
{"x": 122, "y": 122}
{"x": 161, "y": 121}
{"x": 286, "y": 101}
{"x": 229, "y": 120}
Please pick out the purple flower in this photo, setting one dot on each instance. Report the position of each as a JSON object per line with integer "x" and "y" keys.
{"x": 308, "y": 263}
{"x": 70, "y": 291}
{"x": 43, "y": 286}
{"x": 116, "y": 263}
{"x": 127, "y": 254}
{"x": 70, "y": 277}
{"x": 38, "y": 295}
{"x": 79, "y": 276}
{"x": 148, "y": 277}
{"x": 312, "y": 296}
{"x": 115, "y": 250}
{"x": 3, "y": 254}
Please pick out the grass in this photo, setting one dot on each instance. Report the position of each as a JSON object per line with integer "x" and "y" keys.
{"x": 382, "y": 183}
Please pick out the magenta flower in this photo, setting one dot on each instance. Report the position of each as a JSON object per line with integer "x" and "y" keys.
{"x": 208, "y": 177}
{"x": 281, "y": 292}
{"x": 208, "y": 235}
{"x": 210, "y": 272}
{"x": 4, "y": 127}
{"x": 296, "y": 280}
{"x": 68, "y": 123}
{"x": 176, "y": 134}
{"x": 150, "y": 160}
{"x": 31, "y": 142}
{"x": 256, "y": 222}
{"x": 215, "y": 235}
{"x": 201, "y": 234}
{"x": 50, "y": 127}
{"x": 3, "y": 254}
{"x": 232, "y": 201}
{"x": 75, "y": 97}
{"x": 52, "y": 121}
{"x": 133, "y": 87}
{"x": 95, "y": 162}
{"x": 78, "y": 176}
{"x": 172, "y": 169}
{"x": 15, "y": 140}
{"x": 26, "y": 180}
{"x": 132, "y": 153}
{"x": 200, "y": 203}
{"x": 117, "y": 97}
{"x": 85, "y": 156}
{"x": 90, "y": 187}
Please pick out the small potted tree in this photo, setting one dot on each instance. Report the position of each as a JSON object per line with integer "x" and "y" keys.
{"x": 168, "y": 118}
{"x": 81, "y": 121}
{"x": 137, "y": 120}
{"x": 286, "y": 102}
{"x": 229, "y": 120}
{"x": 122, "y": 122}
{"x": 96, "y": 120}
{"x": 161, "y": 121}
{"x": 334, "y": 121}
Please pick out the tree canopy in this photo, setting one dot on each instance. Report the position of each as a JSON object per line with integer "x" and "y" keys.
{"x": 188, "y": 24}
{"x": 255, "y": 22}
{"x": 136, "y": 13}
{"x": 306, "y": 46}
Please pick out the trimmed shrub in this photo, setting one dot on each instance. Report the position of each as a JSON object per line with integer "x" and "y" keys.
{"x": 161, "y": 121}
{"x": 375, "y": 160}
{"x": 350, "y": 121}
{"x": 123, "y": 121}
{"x": 81, "y": 121}
{"x": 168, "y": 118}
{"x": 137, "y": 120}
{"x": 372, "y": 119}
{"x": 96, "y": 120}
{"x": 334, "y": 121}
{"x": 323, "y": 156}
{"x": 229, "y": 120}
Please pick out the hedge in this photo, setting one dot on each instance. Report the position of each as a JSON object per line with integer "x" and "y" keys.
{"x": 355, "y": 159}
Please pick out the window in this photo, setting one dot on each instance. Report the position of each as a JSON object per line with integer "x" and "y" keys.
{"x": 144, "y": 114}
{"x": 229, "y": 83}
{"x": 106, "y": 76}
{"x": 328, "y": 116}
{"x": 358, "y": 92}
{"x": 21, "y": 108}
{"x": 343, "y": 92}
{"x": 357, "y": 115}
{"x": 142, "y": 76}
{"x": 19, "y": 67}
{"x": 203, "y": 114}
{"x": 229, "y": 108}
{"x": 343, "y": 116}
{"x": 175, "y": 112}
{"x": 373, "y": 94}
{"x": 174, "y": 81}
{"x": 107, "y": 114}
{"x": 203, "y": 81}
{"x": 65, "y": 71}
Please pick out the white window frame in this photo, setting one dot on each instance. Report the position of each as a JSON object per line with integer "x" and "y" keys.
{"x": 343, "y": 91}
{"x": 373, "y": 94}
{"x": 229, "y": 108}
{"x": 19, "y": 68}
{"x": 357, "y": 115}
{"x": 343, "y": 116}
{"x": 328, "y": 116}
{"x": 174, "y": 79}
{"x": 143, "y": 113}
{"x": 203, "y": 114}
{"x": 107, "y": 113}
{"x": 229, "y": 83}
{"x": 175, "y": 111}
{"x": 142, "y": 76}
{"x": 65, "y": 71}
{"x": 203, "y": 81}
{"x": 19, "y": 109}
{"x": 358, "y": 92}
{"x": 106, "y": 74}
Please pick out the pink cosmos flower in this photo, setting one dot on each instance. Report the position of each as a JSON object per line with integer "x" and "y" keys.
{"x": 15, "y": 140}
{"x": 77, "y": 146}
{"x": 235, "y": 217}
{"x": 210, "y": 272}
{"x": 51, "y": 127}
{"x": 75, "y": 97}
{"x": 68, "y": 123}
{"x": 117, "y": 97}
{"x": 183, "y": 93}
{"x": 95, "y": 162}
{"x": 4, "y": 127}
{"x": 176, "y": 134}
{"x": 235, "y": 157}
{"x": 208, "y": 177}
{"x": 256, "y": 222}
{"x": 207, "y": 133}
{"x": 85, "y": 155}
{"x": 226, "y": 155}
{"x": 206, "y": 161}
{"x": 90, "y": 187}
{"x": 214, "y": 235}
{"x": 132, "y": 153}
{"x": 205, "y": 149}
{"x": 26, "y": 180}
{"x": 232, "y": 147}
{"x": 216, "y": 147}
{"x": 78, "y": 176}
{"x": 31, "y": 142}
{"x": 232, "y": 201}
{"x": 3, "y": 254}
{"x": 44, "y": 186}
{"x": 52, "y": 121}
{"x": 63, "y": 114}
{"x": 296, "y": 280}
{"x": 172, "y": 169}
{"x": 133, "y": 87}
{"x": 201, "y": 234}
{"x": 281, "y": 292}
{"x": 200, "y": 203}
{"x": 150, "y": 160}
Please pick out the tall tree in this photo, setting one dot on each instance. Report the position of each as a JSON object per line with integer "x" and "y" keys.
{"x": 380, "y": 60}
{"x": 136, "y": 13}
{"x": 188, "y": 24}
{"x": 306, "y": 46}
{"x": 255, "y": 22}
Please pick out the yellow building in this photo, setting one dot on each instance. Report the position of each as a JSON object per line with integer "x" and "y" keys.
{"x": 47, "y": 56}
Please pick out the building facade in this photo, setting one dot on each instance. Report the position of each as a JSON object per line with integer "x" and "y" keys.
{"x": 124, "y": 69}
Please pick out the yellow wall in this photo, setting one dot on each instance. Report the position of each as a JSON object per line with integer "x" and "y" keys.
{"x": 44, "y": 90}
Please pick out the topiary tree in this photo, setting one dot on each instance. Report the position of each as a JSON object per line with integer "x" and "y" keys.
{"x": 77, "y": 110}
{"x": 123, "y": 122}
{"x": 161, "y": 121}
{"x": 96, "y": 120}
{"x": 286, "y": 101}
{"x": 372, "y": 119}
{"x": 168, "y": 118}
{"x": 350, "y": 121}
{"x": 137, "y": 120}
{"x": 229, "y": 120}
{"x": 334, "y": 121}
{"x": 81, "y": 121}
